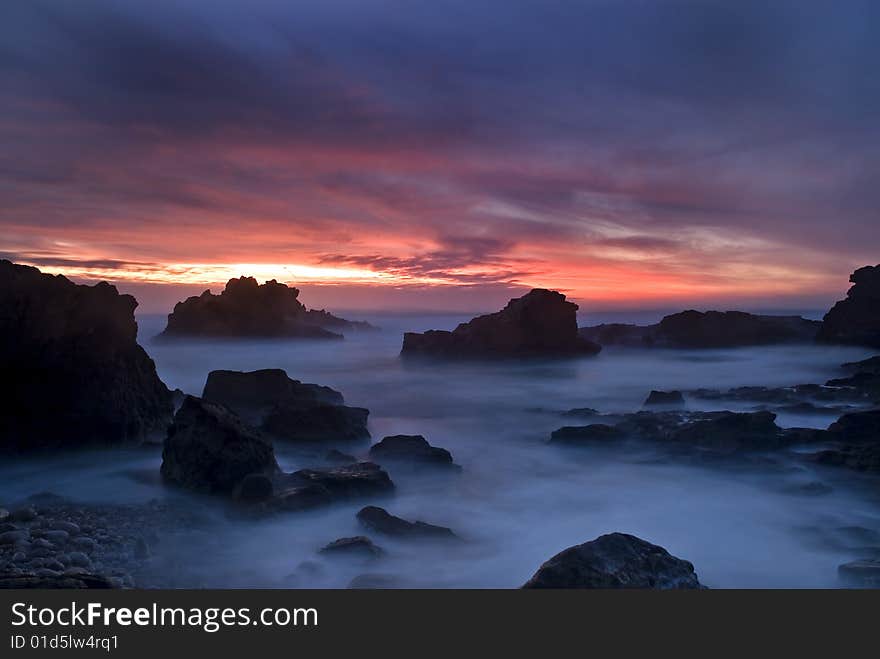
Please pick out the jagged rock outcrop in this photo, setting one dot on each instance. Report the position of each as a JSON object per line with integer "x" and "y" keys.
{"x": 73, "y": 370}
{"x": 308, "y": 488}
{"x": 615, "y": 560}
{"x": 413, "y": 450}
{"x": 856, "y": 442}
{"x": 209, "y": 449}
{"x": 710, "y": 329}
{"x": 357, "y": 546}
{"x": 381, "y": 521}
{"x": 719, "y": 433}
{"x": 287, "y": 409}
{"x": 247, "y": 309}
{"x": 855, "y": 320}
{"x": 539, "y": 324}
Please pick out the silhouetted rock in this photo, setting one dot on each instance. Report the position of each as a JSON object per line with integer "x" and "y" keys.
{"x": 317, "y": 423}
{"x": 254, "y": 393}
{"x": 869, "y": 365}
{"x": 359, "y": 545}
{"x": 412, "y": 449}
{"x": 856, "y": 438}
{"x": 255, "y": 487}
{"x": 73, "y": 370}
{"x": 718, "y": 433}
{"x": 615, "y": 560}
{"x": 710, "y": 329}
{"x": 855, "y": 320}
{"x": 247, "y": 309}
{"x": 287, "y": 409}
{"x": 308, "y": 488}
{"x": 664, "y": 399}
{"x": 538, "y": 324}
{"x": 593, "y": 433}
{"x": 209, "y": 449}
{"x": 857, "y": 427}
{"x": 732, "y": 431}
{"x": 381, "y": 521}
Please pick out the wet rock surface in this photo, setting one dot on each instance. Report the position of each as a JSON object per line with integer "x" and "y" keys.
{"x": 667, "y": 399}
{"x": 615, "y": 560}
{"x": 76, "y": 373}
{"x": 359, "y": 546}
{"x": 539, "y": 324}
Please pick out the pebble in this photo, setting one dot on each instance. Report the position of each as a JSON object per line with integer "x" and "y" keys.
{"x": 19, "y": 557}
{"x": 79, "y": 559}
{"x": 69, "y": 527}
{"x": 24, "y": 514}
{"x": 84, "y": 542}
{"x": 4, "y": 514}
{"x": 59, "y": 537}
{"x": 42, "y": 542}
{"x": 46, "y": 572}
{"x": 6, "y": 527}
{"x": 13, "y": 537}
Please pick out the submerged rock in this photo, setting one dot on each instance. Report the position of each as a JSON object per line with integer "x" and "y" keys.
{"x": 539, "y": 324}
{"x": 359, "y": 545}
{"x": 710, "y": 329}
{"x": 209, "y": 449}
{"x": 412, "y": 449}
{"x": 74, "y": 371}
{"x": 595, "y": 432}
{"x": 863, "y": 573}
{"x": 285, "y": 408}
{"x": 247, "y": 309}
{"x": 855, "y": 320}
{"x": 664, "y": 399}
{"x": 615, "y": 560}
{"x": 308, "y": 488}
{"x": 381, "y": 521}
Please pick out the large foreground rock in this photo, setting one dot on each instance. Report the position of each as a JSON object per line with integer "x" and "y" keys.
{"x": 710, "y": 329}
{"x": 287, "y": 409}
{"x": 209, "y": 449}
{"x": 73, "y": 371}
{"x": 247, "y": 309}
{"x": 615, "y": 560}
{"x": 856, "y": 319}
{"x": 541, "y": 323}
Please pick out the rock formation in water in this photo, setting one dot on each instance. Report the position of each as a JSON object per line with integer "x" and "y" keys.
{"x": 381, "y": 521}
{"x": 74, "y": 372}
{"x": 248, "y": 309}
{"x": 710, "y": 329}
{"x": 856, "y": 319}
{"x": 209, "y": 449}
{"x": 855, "y": 439}
{"x": 539, "y": 324}
{"x": 287, "y": 409}
{"x": 413, "y": 450}
{"x": 668, "y": 399}
{"x": 615, "y": 560}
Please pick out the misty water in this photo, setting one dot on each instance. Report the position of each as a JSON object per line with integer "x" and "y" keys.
{"x": 517, "y": 500}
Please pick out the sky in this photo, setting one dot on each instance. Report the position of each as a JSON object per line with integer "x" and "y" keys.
{"x": 448, "y": 154}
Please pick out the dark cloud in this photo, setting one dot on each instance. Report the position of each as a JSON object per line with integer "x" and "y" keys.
{"x": 482, "y": 129}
